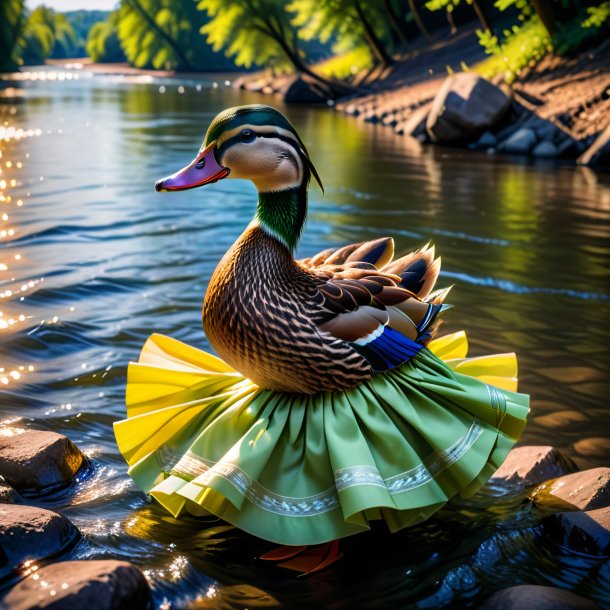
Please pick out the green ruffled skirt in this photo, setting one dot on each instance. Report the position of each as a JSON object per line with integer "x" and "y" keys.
{"x": 305, "y": 469}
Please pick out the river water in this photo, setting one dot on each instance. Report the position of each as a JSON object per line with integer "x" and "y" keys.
{"x": 93, "y": 261}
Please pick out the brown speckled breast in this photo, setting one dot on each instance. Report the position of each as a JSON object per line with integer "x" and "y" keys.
{"x": 259, "y": 315}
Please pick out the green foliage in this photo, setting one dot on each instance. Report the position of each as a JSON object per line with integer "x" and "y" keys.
{"x": 256, "y": 32}
{"x": 103, "y": 43}
{"x": 599, "y": 16}
{"x": 47, "y": 34}
{"x": 345, "y": 65}
{"x": 11, "y": 24}
{"x": 338, "y": 21}
{"x": 522, "y": 46}
{"x": 164, "y": 34}
{"x": 447, "y": 5}
{"x": 525, "y": 45}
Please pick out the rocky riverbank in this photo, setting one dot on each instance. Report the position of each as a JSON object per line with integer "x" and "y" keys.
{"x": 34, "y": 540}
{"x": 559, "y": 108}
{"x": 573, "y": 506}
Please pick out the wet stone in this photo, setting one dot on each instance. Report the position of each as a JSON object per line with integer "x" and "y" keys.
{"x": 32, "y": 533}
{"x": 38, "y": 460}
{"x": 585, "y": 490}
{"x": 8, "y": 495}
{"x": 520, "y": 142}
{"x": 99, "y": 585}
{"x": 524, "y": 597}
{"x": 534, "y": 464}
{"x": 583, "y": 531}
{"x": 545, "y": 150}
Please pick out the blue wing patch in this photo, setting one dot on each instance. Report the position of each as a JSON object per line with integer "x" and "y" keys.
{"x": 388, "y": 350}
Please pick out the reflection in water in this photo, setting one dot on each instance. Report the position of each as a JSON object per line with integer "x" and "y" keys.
{"x": 93, "y": 261}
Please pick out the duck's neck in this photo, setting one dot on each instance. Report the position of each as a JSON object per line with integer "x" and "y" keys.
{"x": 281, "y": 214}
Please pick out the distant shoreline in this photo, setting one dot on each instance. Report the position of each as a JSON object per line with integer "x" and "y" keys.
{"x": 124, "y": 69}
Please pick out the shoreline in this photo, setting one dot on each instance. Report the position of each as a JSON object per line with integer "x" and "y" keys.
{"x": 557, "y": 109}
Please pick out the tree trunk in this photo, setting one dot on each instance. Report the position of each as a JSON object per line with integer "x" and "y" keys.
{"x": 418, "y": 20}
{"x": 545, "y": 11}
{"x": 451, "y": 20}
{"x": 372, "y": 39}
{"x": 482, "y": 16}
{"x": 398, "y": 34}
{"x": 186, "y": 64}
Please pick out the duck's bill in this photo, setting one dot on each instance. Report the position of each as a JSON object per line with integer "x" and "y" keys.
{"x": 204, "y": 169}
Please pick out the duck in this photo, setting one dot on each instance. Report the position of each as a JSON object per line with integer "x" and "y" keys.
{"x": 332, "y": 402}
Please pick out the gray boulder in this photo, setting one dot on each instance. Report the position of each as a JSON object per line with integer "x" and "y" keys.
{"x": 524, "y": 597}
{"x": 32, "y": 533}
{"x": 465, "y": 105}
{"x": 534, "y": 464}
{"x": 520, "y": 142}
{"x": 38, "y": 460}
{"x": 545, "y": 150}
{"x": 97, "y": 585}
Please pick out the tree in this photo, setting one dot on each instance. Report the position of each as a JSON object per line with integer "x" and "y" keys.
{"x": 254, "y": 32}
{"x": 103, "y": 44}
{"x": 46, "y": 33}
{"x": 164, "y": 34}
{"x": 347, "y": 22}
{"x": 12, "y": 20}
{"x": 450, "y": 5}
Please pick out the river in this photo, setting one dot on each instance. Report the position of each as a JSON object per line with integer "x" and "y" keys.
{"x": 93, "y": 261}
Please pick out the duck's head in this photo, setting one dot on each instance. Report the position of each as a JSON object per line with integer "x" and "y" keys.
{"x": 254, "y": 142}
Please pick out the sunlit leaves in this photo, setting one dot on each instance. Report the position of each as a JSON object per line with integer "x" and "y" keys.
{"x": 249, "y": 31}
{"x": 164, "y": 34}
{"x": 46, "y": 34}
{"x": 103, "y": 43}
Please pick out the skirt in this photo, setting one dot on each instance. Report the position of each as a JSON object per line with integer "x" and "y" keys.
{"x": 299, "y": 469}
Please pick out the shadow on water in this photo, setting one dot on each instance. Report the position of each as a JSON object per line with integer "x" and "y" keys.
{"x": 93, "y": 261}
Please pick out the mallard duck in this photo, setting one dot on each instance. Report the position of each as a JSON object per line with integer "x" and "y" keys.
{"x": 331, "y": 404}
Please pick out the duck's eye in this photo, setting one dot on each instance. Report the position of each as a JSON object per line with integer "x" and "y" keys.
{"x": 247, "y": 135}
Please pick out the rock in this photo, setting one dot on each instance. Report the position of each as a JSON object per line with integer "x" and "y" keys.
{"x": 487, "y": 140}
{"x": 568, "y": 147}
{"x": 38, "y": 460}
{"x": 585, "y": 490}
{"x": 99, "y": 585}
{"x": 8, "y": 495}
{"x": 586, "y": 532}
{"x": 415, "y": 123}
{"x": 545, "y": 130}
{"x": 229, "y": 597}
{"x": 534, "y": 464}
{"x": 464, "y": 106}
{"x": 523, "y": 597}
{"x": 520, "y": 143}
{"x": 599, "y": 152}
{"x": 27, "y": 532}
{"x": 304, "y": 90}
{"x": 545, "y": 150}
{"x": 593, "y": 447}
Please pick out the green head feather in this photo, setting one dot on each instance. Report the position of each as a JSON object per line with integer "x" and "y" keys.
{"x": 261, "y": 115}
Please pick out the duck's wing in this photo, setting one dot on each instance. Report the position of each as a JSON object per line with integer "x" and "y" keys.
{"x": 383, "y": 307}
